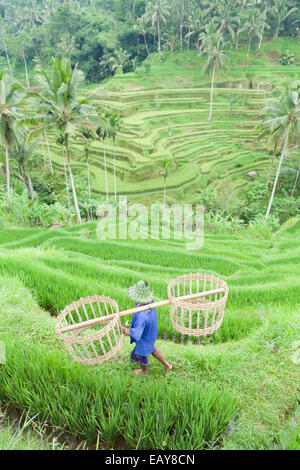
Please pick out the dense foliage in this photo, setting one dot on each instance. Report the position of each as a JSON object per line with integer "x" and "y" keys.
{"x": 110, "y": 36}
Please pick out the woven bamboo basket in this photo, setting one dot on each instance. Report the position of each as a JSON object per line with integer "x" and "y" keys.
{"x": 199, "y": 317}
{"x": 91, "y": 345}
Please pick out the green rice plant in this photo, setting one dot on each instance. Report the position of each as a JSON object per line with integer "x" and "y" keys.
{"x": 20, "y": 436}
{"x": 177, "y": 421}
{"x": 290, "y": 439}
{"x": 90, "y": 403}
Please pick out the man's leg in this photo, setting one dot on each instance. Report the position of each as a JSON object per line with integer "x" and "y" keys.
{"x": 158, "y": 355}
{"x": 142, "y": 371}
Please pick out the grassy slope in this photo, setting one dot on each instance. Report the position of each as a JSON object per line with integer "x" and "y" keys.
{"x": 249, "y": 358}
{"x": 164, "y": 111}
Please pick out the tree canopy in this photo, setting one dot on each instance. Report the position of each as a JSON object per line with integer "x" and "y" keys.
{"x": 111, "y": 36}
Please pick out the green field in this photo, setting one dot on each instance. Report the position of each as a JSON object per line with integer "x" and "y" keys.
{"x": 245, "y": 378}
{"x": 163, "y": 111}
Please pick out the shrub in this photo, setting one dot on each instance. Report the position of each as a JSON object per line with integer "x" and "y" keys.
{"x": 22, "y": 210}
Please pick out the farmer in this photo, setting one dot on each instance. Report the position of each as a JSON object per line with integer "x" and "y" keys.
{"x": 143, "y": 331}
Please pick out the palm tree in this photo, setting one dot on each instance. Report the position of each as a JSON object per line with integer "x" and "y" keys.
{"x": 283, "y": 121}
{"x": 11, "y": 102}
{"x": 62, "y": 108}
{"x": 264, "y": 25}
{"x": 118, "y": 61}
{"x": 196, "y": 24}
{"x": 88, "y": 136}
{"x": 296, "y": 182}
{"x": 226, "y": 18}
{"x": 142, "y": 28}
{"x": 49, "y": 151}
{"x": 213, "y": 46}
{"x": 114, "y": 127}
{"x": 17, "y": 46}
{"x": 49, "y": 8}
{"x": 255, "y": 24}
{"x": 30, "y": 13}
{"x": 241, "y": 25}
{"x": 103, "y": 133}
{"x": 281, "y": 11}
{"x": 3, "y": 36}
{"x": 158, "y": 11}
{"x": 274, "y": 153}
{"x": 24, "y": 148}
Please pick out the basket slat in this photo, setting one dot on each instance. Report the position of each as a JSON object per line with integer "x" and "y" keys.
{"x": 198, "y": 317}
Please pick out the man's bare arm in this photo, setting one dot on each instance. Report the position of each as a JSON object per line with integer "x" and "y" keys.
{"x": 124, "y": 330}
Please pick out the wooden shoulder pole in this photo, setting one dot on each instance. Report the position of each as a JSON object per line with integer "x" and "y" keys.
{"x": 104, "y": 319}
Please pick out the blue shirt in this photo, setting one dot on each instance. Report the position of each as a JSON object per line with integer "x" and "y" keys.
{"x": 144, "y": 331}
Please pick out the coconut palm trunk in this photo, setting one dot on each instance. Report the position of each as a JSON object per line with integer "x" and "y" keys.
{"x": 283, "y": 154}
{"x": 277, "y": 30}
{"x": 89, "y": 182}
{"x": 26, "y": 70}
{"x": 105, "y": 170}
{"x": 7, "y": 168}
{"x": 249, "y": 46}
{"x": 188, "y": 39}
{"x": 8, "y": 60}
{"x": 212, "y": 93}
{"x": 30, "y": 187}
{"x": 43, "y": 150}
{"x": 296, "y": 182}
{"x": 237, "y": 42}
{"x": 49, "y": 153}
{"x": 158, "y": 35}
{"x": 260, "y": 38}
{"x": 67, "y": 185}
{"x": 146, "y": 44}
{"x": 115, "y": 179}
{"x": 28, "y": 182}
{"x": 272, "y": 166}
{"x": 72, "y": 181}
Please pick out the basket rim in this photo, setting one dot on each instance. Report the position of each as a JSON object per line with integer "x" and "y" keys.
{"x": 74, "y": 339}
{"x": 84, "y": 301}
{"x": 194, "y": 305}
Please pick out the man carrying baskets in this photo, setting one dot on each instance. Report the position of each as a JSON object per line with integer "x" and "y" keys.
{"x": 143, "y": 331}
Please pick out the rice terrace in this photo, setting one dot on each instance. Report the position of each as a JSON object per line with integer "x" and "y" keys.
{"x": 149, "y": 225}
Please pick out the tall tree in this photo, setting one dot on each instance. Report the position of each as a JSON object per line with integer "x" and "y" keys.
{"x": 256, "y": 22}
{"x": 281, "y": 11}
{"x": 24, "y": 149}
{"x": 3, "y": 39}
{"x": 226, "y": 18}
{"x": 196, "y": 24}
{"x": 114, "y": 127}
{"x": 241, "y": 26}
{"x": 88, "y": 135}
{"x": 11, "y": 102}
{"x": 103, "y": 134}
{"x": 142, "y": 27}
{"x": 213, "y": 47}
{"x": 159, "y": 11}
{"x": 264, "y": 25}
{"x": 62, "y": 107}
{"x": 296, "y": 182}
{"x": 282, "y": 119}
